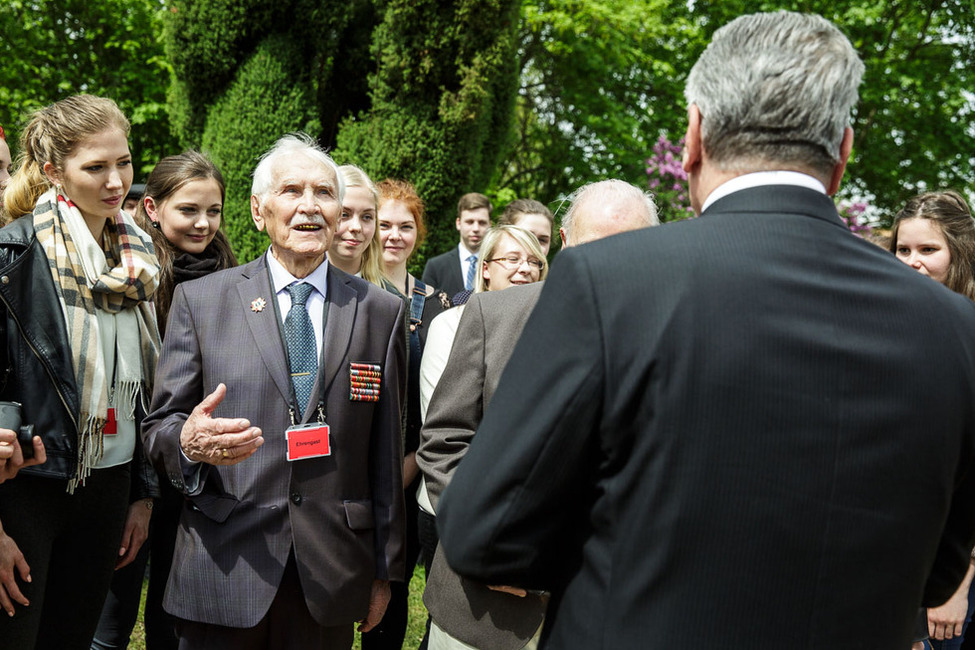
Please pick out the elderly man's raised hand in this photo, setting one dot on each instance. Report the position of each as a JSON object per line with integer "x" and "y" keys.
{"x": 218, "y": 441}
{"x": 12, "y": 456}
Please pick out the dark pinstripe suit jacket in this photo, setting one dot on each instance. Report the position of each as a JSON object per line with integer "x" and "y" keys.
{"x": 751, "y": 429}
{"x": 343, "y": 514}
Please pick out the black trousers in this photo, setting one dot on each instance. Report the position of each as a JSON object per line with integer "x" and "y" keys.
{"x": 121, "y": 608}
{"x": 71, "y": 543}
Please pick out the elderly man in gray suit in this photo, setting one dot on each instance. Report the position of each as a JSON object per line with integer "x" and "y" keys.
{"x": 467, "y": 614}
{"x": 277, "y": 412}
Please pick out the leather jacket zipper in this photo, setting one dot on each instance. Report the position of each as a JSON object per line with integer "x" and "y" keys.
{"x": 44, "y": 363}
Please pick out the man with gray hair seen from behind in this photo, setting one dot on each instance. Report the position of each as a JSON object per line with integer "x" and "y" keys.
{"x": 466, "y": 614}
{"x": 277, "y": 413}
{"x": 735, "y": 431}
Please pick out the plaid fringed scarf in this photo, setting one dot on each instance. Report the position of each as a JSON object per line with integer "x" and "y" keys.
{"x": 118, "y": 278}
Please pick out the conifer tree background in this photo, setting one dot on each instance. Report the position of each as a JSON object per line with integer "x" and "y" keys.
{"x": 422, "y": 91}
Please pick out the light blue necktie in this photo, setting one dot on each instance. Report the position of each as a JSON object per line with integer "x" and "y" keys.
{"x": 471, "y": 269}
{"x": 302, "y": 352}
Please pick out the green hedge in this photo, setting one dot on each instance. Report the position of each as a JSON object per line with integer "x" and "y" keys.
{"x": 264, "y": 101}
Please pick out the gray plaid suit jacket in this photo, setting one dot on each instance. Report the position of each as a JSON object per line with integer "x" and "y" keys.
{"x": 343, "y": 514}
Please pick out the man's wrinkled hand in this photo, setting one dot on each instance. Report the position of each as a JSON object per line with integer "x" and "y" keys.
{"x": 218, "y": 441}
{"x": 378, "y": 600}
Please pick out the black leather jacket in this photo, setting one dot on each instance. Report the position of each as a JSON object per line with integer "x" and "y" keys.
{"x": 35, "y": 361}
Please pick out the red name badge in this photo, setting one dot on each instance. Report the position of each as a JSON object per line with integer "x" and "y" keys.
{"x": 111, "y": 424}
{"x": 308, "y": 441}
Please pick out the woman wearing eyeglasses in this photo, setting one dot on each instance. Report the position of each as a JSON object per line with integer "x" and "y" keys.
{"x": 509, "y": 256}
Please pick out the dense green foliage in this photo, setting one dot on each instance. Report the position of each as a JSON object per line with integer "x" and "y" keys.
{"x": 435, "y": 109}
{"x": 442, "y": 100}
{"x": 603, "y": 79}
{"x": 268, "y": 97}
{"x": 528, "y": 98}
{"x": 600, "y": 81}
{"x": 246, "y": 74}
{"x": 51, "y": 49}
{"x": 913, "y": 125}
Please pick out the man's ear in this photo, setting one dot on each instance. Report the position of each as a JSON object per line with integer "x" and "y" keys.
{"x": 256, "y": 213}
{"x": 693, "y": 147}
{"x": 562, "y": 237}
{"x": 846, "y": 147}
{"x": 52, "y": 173}
{"x": 457, "y": 224}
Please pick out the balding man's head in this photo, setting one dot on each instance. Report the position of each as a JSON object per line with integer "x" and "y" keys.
{"x": 606, "y": 208}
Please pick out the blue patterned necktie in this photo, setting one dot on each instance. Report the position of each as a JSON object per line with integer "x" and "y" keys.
{"x": 471, "y": 268}
{"x": 301, "y": 345}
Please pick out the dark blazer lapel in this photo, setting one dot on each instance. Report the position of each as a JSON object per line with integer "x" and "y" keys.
{"x": 263, "y": 322}
{"x": 342, "y": 305}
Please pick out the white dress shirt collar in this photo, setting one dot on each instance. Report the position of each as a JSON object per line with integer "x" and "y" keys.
{"x": 281, "y": 278}
{"x": 758, "y": 179}
{"x": 464, "y": 254}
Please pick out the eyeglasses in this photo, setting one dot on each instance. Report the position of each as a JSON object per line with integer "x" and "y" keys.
{"x": 513, "y": 261}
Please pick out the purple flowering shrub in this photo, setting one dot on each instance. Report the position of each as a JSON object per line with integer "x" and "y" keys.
{"x": 667, "y": 180}
{"x": 853, "y": 215}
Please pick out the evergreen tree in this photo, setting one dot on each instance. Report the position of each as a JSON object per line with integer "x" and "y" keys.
{"x": 435, "y": 111}
{"x": 442, "y": 101}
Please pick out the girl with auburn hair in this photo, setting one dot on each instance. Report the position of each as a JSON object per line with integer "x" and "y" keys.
{"x": 935, "y": 235}
{"x": 80, "y": 352}
{"x": 356, "y": 248}
{"x": 401, "y": 231}
{"x": 181, "y": 208}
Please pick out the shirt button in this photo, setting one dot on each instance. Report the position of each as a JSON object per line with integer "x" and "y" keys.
{"x": 296, "y": 499}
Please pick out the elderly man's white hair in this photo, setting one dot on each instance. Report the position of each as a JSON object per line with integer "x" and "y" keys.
{"x": 292, "y": 144}
{"x": 614, "y": 192}
{"x": 775, "y": 88}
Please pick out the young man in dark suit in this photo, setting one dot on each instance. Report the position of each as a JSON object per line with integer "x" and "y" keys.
{"x": 277, "y": 412}
{"x": 747, "y": 430}
{"x": 456, "y": 269}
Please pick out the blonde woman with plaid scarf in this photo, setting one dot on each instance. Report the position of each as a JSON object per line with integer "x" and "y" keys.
{"x": 79, "y": 351}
